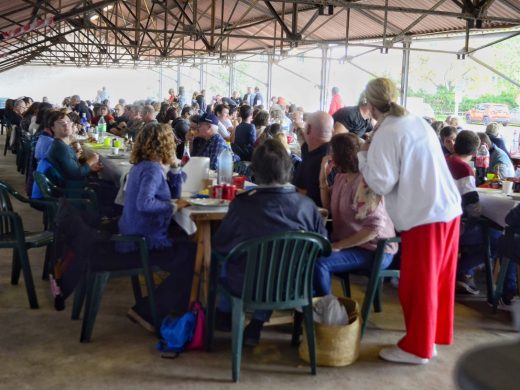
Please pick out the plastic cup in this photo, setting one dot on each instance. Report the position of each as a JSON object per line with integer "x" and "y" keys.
{"x": 114, "y": 150}
{"x": 239, "y": 181}
{"x": 107, "y": 141}
{"x": 507, "y": 187}
{"x": 118, "y": 143}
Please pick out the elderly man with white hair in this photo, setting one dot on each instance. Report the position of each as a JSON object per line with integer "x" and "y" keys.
{"x": 208, "y": 130}
{"x": 19, "y": 108}
{"x": 317, "y": 134}
{"x": 493, "y": 132}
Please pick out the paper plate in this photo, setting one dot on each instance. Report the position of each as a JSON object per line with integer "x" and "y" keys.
{"x": 209, "y": 202}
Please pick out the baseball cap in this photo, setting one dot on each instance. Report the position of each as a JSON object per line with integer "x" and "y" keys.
{"x": 208, "y": 117}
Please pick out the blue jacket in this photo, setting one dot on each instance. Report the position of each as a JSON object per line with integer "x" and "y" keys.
{"x": 147, "y": 210}
{"x": 63, "y": 158}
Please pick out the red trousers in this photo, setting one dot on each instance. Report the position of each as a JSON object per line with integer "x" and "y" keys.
{"x": 427, "y": 285}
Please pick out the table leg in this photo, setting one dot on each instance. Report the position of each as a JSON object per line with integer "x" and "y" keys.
{"x": 202, "y": 263}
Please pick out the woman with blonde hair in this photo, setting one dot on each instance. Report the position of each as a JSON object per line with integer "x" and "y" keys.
{"x": 148, "y": 211}
{"x": 404, "y": 162}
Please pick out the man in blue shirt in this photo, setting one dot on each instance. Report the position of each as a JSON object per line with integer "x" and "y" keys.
{"x": 208, "y": 130}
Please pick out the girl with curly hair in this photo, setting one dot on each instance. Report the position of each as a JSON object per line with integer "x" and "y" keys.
{"x": 359, "y": 215}
{"x": 147, "y": 211}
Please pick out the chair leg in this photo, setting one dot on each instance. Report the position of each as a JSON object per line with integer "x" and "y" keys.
{"x": 345, "y": 284}
{"x": 499, "y": 289}
{"x": 150, "y": 287}
{"x": 297, "y": 328}
{"x": 136, "y": 287}
{"x": 79, "y": 298}
{"x": 378, "y": 308}
{"x": 27, "y": 276}
{"x": 15, "y": 268}
{"x": 46, "y": 263}
{"x": 311, "y": 341}
{"x": 95, "y": 287}
{"x": 370, "y": 295}
{"x": 237, "y": 337}
{"x": 488, "y": 265}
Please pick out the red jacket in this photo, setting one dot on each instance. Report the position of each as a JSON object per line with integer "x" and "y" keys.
{"x": 335, "y": 104}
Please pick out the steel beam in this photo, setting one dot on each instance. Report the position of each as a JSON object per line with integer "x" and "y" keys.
{"x": 269, "y": 83}
{"x": 405, "y": 70}
{"x": 495, "y": 71}
{"x": 324, "y": 80}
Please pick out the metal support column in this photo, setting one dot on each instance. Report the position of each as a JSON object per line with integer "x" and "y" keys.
{"x": 231, "y": 76}
{"x": 161, "y": 82}
{"x": 324, "y": 82}
{"x": 269, "y": 80}
{"x": 178, "y": 76}
{"x": 202, "y": 81}
{"x": 405, "y": 70}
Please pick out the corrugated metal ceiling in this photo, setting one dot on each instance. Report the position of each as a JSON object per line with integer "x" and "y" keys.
{"x": 108, "y": 32}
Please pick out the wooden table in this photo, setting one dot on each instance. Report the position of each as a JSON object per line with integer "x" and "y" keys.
{"x": 495, "y": 204}
{"x": 204, "y": 218}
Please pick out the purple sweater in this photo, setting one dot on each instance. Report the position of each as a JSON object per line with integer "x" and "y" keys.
{"x": 147, "y": 209}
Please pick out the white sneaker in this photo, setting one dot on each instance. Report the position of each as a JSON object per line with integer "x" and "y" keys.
{"x": 397, "y": 355}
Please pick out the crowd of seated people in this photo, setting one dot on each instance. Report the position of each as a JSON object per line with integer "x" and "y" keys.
{"x": 300, "y": 161}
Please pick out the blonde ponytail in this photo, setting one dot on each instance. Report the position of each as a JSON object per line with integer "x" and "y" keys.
{"x": 381, "y": 93}
{"x": 397, "y": 110}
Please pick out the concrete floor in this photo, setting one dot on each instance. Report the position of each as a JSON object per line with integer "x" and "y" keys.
{"x": 40, "y": 349}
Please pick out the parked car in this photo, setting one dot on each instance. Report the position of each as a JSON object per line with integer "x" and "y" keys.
{"x": 489, "y": 112}
{"x": 515, "y": 116}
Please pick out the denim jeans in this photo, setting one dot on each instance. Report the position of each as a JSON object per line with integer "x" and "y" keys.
{"x": 346, "y": 260}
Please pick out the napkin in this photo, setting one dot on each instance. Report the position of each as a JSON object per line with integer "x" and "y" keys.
{"x": 183, "y": 219}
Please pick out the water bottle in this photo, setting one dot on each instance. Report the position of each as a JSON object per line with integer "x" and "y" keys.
{"x": 482, "y": 163}
{"x": 225, "y": 166}
{"x": 102, "y": 126}
{"x": 84, "y": 123}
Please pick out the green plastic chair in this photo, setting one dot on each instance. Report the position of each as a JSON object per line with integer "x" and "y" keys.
{"x": 98, "y": 273}
{"x": 50, "y": 191}
{"x": 278, "y": 276}
{"x": 375, "y": 281}
{"x": 13, "y": 236}
{"x": 95, "y": 282}
{"x": 9, "y": 130}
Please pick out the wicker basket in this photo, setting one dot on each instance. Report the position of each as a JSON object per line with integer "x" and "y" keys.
{"x": 336, "y": 345}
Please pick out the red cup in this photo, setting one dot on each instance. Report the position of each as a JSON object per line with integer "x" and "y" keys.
{"x": 239, "y": 181}
{"x": 290, "y": 138}
{"x": 229, "y": 192}
{"x": 217, "y": 191}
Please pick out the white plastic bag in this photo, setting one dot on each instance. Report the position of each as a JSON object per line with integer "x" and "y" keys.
{"x": 329, "y": 311}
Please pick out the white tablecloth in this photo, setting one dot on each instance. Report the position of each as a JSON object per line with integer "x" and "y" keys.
{"x": 495, "y": 205}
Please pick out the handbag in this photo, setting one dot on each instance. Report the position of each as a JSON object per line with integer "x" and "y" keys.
{"x": 183, "y": 333}
{"x": 197, "y": 340}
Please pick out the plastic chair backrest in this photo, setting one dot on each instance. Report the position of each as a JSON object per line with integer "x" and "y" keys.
{"x": 5, "y": 205}
{"x": 43, "y": 184}
{"x": 280, "y": 268}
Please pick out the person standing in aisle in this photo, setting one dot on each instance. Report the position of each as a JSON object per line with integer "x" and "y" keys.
{"x": 404, "y": 163}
